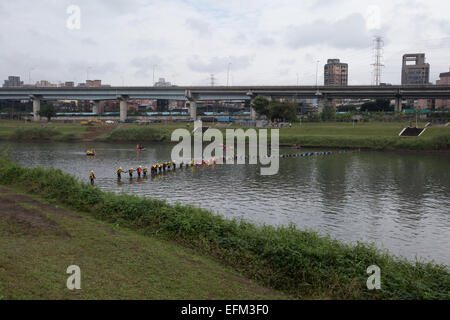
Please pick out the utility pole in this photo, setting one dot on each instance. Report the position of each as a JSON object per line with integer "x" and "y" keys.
{"x": 87, "y": 73}
{"x": 378, "y": 56}
{"x": 154, "y": 74}
{"x": 29, "y": 75}
{"x": 317, "y": 71}
{"x": 228, "y": 72}
{"x": 212, "y": 80}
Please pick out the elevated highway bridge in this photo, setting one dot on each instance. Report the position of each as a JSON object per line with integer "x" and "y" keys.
{"x": 194, "y": 94}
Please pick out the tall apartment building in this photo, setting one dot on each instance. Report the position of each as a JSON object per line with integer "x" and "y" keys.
{"x": 13, "y": 81}
{"x": 414, "y": 69}
{"x": 444, "y": 79}
{"x": 335, "y": 73}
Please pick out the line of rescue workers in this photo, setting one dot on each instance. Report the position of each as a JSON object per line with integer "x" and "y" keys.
{"x": 168, "y": 165}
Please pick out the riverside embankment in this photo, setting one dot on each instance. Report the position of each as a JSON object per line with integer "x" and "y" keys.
{"x": 373, "y": 135}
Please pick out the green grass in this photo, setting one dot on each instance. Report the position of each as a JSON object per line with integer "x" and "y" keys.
{"x": 133, "y": 133}
{"x": 370, "y": 135}
{"x": 19, "y": 130}
{"x": 297, "y": 262}
{"x": 115, "y": 263}
{"x": 374, "y": 135}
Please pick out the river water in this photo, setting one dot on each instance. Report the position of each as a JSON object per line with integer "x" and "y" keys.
{"x": 399, "y": 201}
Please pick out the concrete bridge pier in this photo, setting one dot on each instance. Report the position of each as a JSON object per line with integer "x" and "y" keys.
{"x": 95, "y": 106}
{"x": 252, "y": 113}
{"x": 36, "y": 108}
{"x": 252, "y": 110}
{"x": 193, "y": 110}
{"x": 398, "y": 104}
{"x": 324, "y": 102}
{"x": 123, "y": 108}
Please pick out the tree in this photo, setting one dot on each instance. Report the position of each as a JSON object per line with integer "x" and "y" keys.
{"x": 377, "y": 105}
{"x": 261, "y": 105}
{"x": 48, "y": 111}
{"x": 283, "y": 110}
{"x": 328, "y": 113}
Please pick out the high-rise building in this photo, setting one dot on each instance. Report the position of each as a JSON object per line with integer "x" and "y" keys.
{"x": 335, "y": 73}
{"x": 13, "y": 81}
{"x": 414, "y": 69}
{"x": 444, "y": 79}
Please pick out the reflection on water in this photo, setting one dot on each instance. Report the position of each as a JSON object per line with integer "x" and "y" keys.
{"x": 399, "y": 201}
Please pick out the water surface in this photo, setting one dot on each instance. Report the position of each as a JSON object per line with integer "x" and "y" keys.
{"x": 400, "y": 201}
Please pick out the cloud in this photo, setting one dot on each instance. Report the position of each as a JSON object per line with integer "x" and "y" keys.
{"x": 347, "y": 33}
{"x": 266, "y": 41}
{"x": 144, "y": 65}
{"x": 218, "y": 64}
{"x": 194, "y": 38}
{"x": 202, "y": 28}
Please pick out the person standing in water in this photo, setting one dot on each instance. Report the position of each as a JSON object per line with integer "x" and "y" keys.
{"x": 92, "y": 176}
{"x": 130, "y": 172}
{"x": 119, "y": 173}
{"x": 145, "y": 171}
{"x": 139, "y": 170}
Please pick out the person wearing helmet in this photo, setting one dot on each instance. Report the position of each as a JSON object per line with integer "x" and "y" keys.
{"x": 119, "y": 173}
{"x": 92, "y": 176}
{"x": 139, "y": 170}
{"x": 130, "y": 172}
{"x": 145, "y": 171}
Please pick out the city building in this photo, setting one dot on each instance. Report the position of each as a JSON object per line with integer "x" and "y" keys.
{"x": 68, "y": 84}
{"x": 414, "y": 69}
{"x": 335, "y": 73}
{"x": 45, "y": 84}
{"x": 13, "y": 81}
{"x": 162, "y": 83}
{"x": 444, "y": 79}
{"x": 93, "y": 83}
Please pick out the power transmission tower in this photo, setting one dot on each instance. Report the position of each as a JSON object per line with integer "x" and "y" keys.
{"x": 212, "y": 80}
{"x": 378, "y": 56}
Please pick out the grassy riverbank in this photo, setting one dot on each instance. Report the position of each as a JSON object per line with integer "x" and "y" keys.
{"x": 299, "y": 263}
{"x": 373, "y": 135}
{"x": 40, "y": 240}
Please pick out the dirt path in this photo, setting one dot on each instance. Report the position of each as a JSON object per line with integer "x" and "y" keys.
{"x": 95, "y": 132}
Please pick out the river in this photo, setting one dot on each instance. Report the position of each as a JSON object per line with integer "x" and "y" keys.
{"x": 400, "y": 201}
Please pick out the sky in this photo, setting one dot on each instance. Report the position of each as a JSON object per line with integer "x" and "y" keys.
{"x": 240, "y": 42}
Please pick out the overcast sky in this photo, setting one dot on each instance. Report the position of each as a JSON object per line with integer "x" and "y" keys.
{"x": 273, "y": 42}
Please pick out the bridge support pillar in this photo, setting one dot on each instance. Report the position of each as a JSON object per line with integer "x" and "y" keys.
{"x": 193, "y": 110}
{"x": 398, "y": 104}
{"x": 95, "y": 106}
{"x": 252, "y": 113}
{"x": 323, "y": 102}
{"x": 36, "y": 108}
{"x": 123, "y": 108}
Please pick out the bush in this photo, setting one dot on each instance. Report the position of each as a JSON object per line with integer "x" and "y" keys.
{"x": 34, "y": 133}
